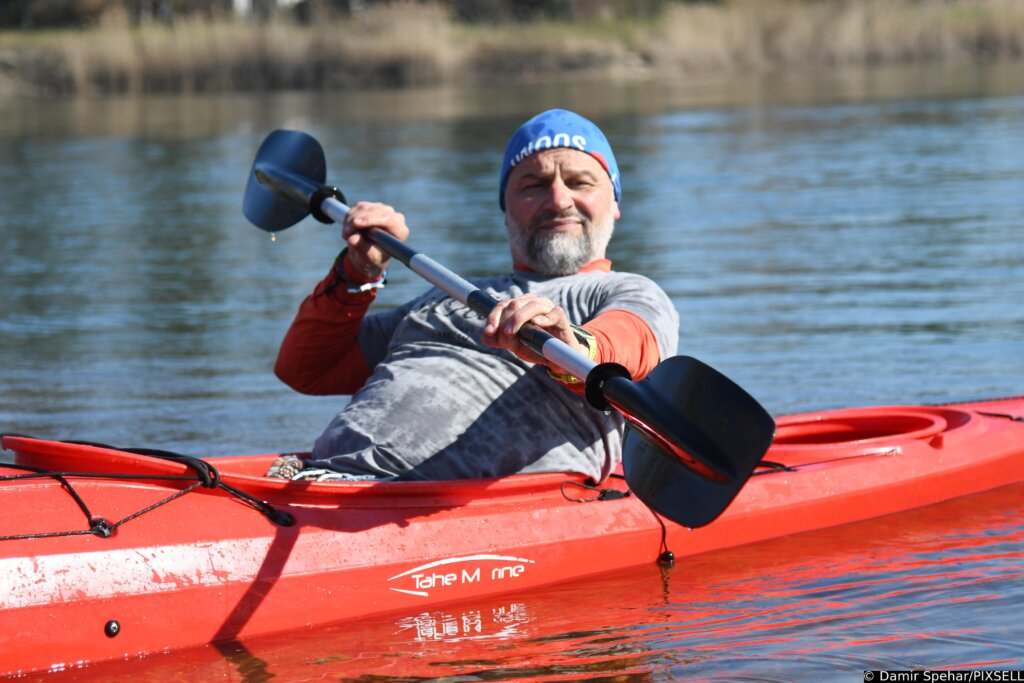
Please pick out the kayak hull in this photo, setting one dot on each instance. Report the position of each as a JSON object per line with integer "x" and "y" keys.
{"x": 204, "y": 568}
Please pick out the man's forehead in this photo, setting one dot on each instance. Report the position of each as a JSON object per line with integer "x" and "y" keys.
{"x": 565, "y": 159}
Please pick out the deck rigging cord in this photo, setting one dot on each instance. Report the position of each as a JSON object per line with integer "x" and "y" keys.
{"x": 666, "y": 558}
{"x": 204, "y": 475}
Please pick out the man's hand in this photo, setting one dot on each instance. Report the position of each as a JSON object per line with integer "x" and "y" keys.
{"x": 364, "y": 255}
{"x": 509, "y": 316}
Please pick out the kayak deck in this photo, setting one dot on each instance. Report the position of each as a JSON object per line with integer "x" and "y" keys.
{"x": 203, "y": 566}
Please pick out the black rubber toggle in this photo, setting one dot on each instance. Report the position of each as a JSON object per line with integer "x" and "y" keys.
{"x": 598, "y": 376}
{"x": 279, "y": 517}
{"x": 101, "y": 527}
{"x": 318, "y": 197}
{"x": 667, "y": 559}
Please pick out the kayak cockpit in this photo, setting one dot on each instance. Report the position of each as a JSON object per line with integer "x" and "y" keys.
{"x": 246, "y": 473}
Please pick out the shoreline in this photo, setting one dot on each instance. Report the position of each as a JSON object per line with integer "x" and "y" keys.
{"x": 183, "y": 116}
{"x": 406, "y": 45}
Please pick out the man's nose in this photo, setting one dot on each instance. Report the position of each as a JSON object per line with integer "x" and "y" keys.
{"x": 559, "y": 195}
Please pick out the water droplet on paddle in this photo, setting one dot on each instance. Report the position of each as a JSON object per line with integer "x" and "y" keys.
{"x": 273, "y": 237}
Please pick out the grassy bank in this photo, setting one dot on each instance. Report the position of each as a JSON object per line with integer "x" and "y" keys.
{"x": 419, "y": 44}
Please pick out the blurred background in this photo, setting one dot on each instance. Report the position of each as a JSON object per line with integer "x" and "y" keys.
{"x": 149, "y": 46}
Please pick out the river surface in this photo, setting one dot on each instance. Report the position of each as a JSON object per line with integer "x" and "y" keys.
{"x": 830, "y": 240}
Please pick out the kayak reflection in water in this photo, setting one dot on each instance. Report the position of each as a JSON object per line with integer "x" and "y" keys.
{"x": 440, "y": 392}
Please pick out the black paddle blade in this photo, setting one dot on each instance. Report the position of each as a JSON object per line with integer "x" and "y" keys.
{"x": 714, "y": 414}
{"x": 290, "y": 156}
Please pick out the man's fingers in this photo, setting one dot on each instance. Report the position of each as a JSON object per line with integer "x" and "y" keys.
{"x": 363, "y": 253}
{"x": 522, "y": 310}
{"x": 366, "y": 215}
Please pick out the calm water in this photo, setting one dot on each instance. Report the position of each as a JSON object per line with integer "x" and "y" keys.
{"x": 829, "y": 240}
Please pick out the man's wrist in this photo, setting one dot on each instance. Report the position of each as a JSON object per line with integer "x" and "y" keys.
{"x": 356, "y": 279}
{"x": 589, "y": 344}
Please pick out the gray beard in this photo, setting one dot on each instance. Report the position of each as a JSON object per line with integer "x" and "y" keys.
{"x": 551, "y": 253}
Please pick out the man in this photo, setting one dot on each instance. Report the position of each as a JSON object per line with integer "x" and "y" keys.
{"x": 439, "y": 392}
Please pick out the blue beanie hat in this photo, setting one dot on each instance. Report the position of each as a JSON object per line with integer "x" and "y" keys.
{"x": 558, "y": 128}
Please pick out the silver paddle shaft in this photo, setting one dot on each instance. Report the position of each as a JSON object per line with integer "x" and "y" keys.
{"x": 464, "y": 291}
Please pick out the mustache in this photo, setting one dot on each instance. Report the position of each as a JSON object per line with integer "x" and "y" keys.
{"x": 543, "y": 217}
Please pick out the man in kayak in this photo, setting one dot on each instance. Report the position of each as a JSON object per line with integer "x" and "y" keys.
{"x": 441, "y": 393}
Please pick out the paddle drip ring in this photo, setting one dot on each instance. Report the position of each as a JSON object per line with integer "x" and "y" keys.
{"x": 316, "y": 200}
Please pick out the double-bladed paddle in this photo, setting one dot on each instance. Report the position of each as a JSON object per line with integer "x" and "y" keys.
{"x": 694, "y": 436}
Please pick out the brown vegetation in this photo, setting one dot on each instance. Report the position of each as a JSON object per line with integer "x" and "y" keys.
{"x": 411, "y": 44}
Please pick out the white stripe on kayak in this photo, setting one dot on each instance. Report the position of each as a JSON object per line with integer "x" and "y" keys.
{"x": 71, "y": 577}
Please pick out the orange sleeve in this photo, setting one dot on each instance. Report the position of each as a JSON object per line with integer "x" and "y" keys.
{"x": 625, "y": 338}
{"x": 320, "y": 353}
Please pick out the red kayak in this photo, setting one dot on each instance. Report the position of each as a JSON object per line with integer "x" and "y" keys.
{"x": 108, "y": 554}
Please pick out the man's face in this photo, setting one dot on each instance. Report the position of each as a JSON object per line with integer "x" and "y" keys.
{"x": 560, "y": 210}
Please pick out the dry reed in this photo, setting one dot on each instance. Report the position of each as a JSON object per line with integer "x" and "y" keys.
{"x": 414, "y": 43}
